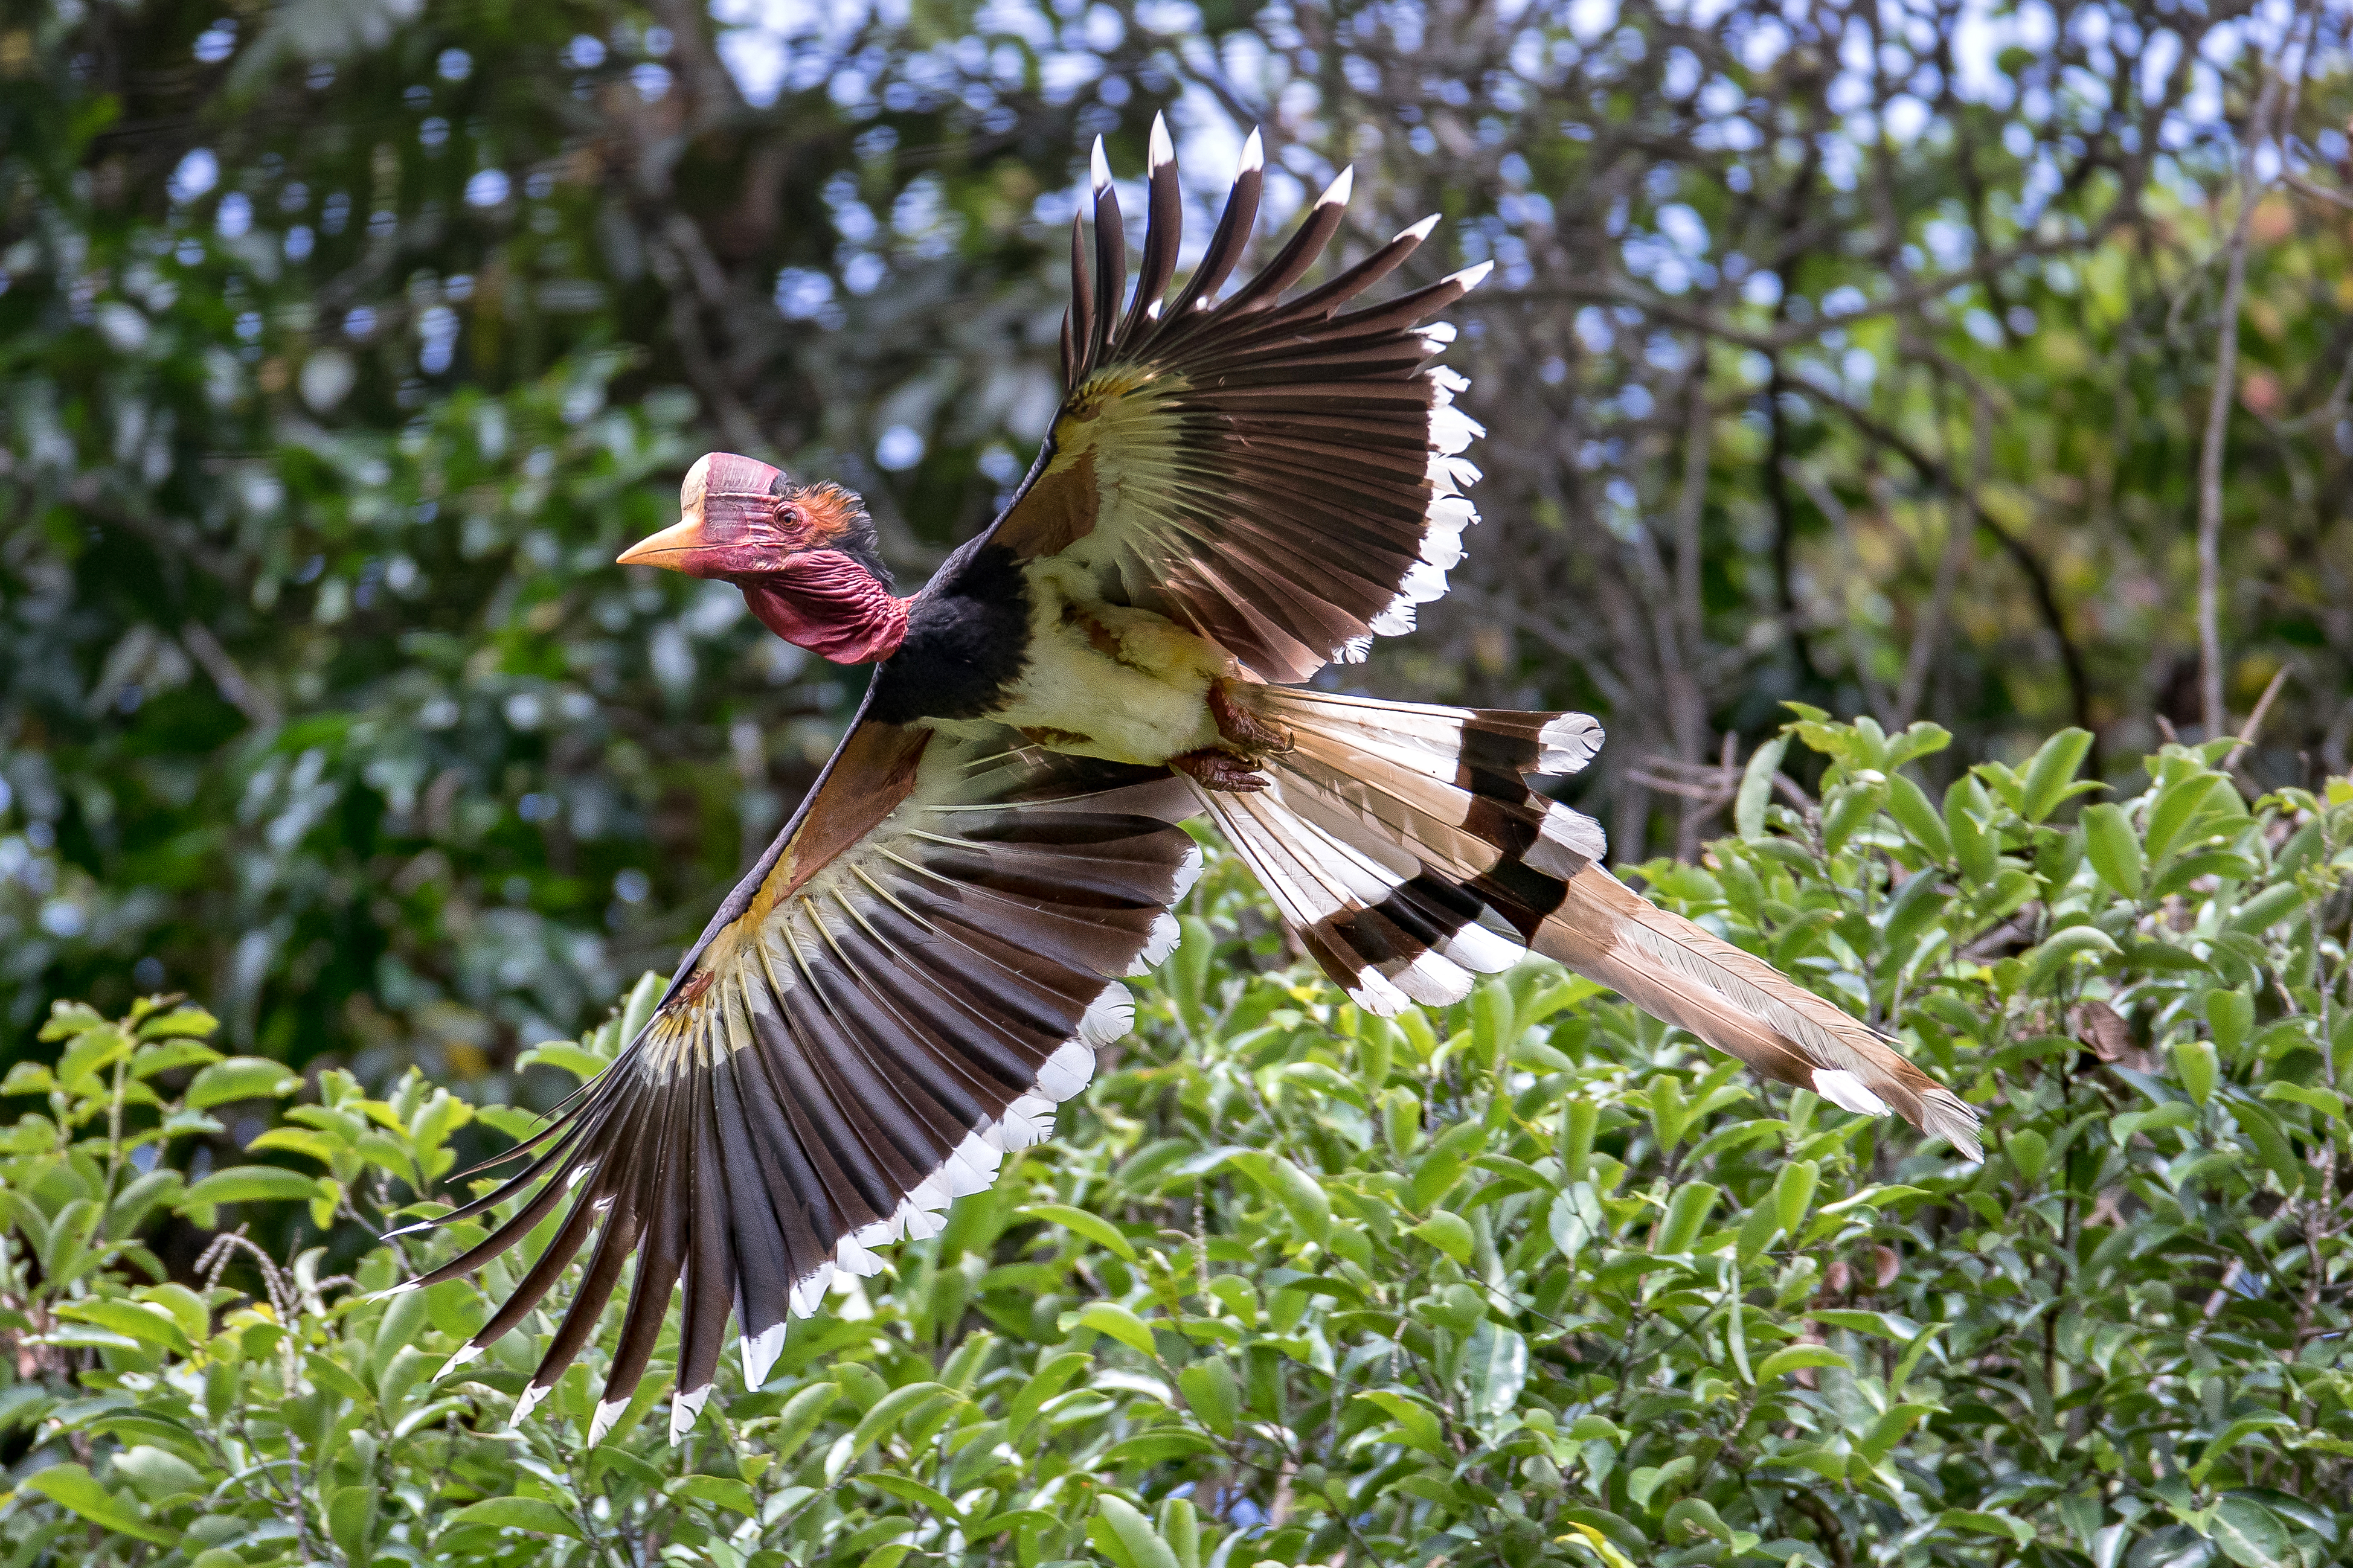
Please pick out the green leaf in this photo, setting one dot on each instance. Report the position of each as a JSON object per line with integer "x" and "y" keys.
{"x": 718, "y": 1491}
{"x": 1756, "y": 788}
{"x": 1494, "y": 1368}
{"x": 909, "y": 1491}
{"x": 800, "y": 1417}
{"x": 1301, "y": 1195}
{"x": 519, "y": 1513}
{"x": 2232, "y": 1436}
{"x": 1793, "y": 1192}
{"x": 2043, "y": 968}
{"x": 1449, "y": 1232}
{"x": 565, "y": 1056}
{"x": 1890, "y": 1429}
{"x": 91, "y": 1052}
{"x": 1909, "y": 805}
{"x": 2272, "y": 1146}
{"x": 67, "y": 1019}
{"x": 240, "y": 1078}
{"x": 2113, "y": 848}
{"x": 2045, "y": 783}
{"x": 1156, "y": 1446}
{"x": 889, "y": 1410}
{"x": 1980, "y": 1522}
{"x": 2250, "y": 1534}
{"x": 2231, "y": 1015}
{"x": 250, "y": 1183}
{"x": 1791, "y": 1358}
{"x": 1210, "y": 1388}
{"x": 147, "y": 1325}
{"x": 2326, "y": 1101}
{"x": 2194, "y": 1065}
{"x": 151, "y": 1059}
{"x": 1687, "y": 1211}
{"x": 1111, "y": 1318}
{"x": 1652, "y": 1479}
{"x": 1418, "y": 1426}
{"x": 1046, "y": 1382}
{"x": 350, "y": 1520}
{"x": 2266, "y": 910}
{"x": 1133, "y": 1535}
{"x": 183, "y": 1022}
{"x": 1094, "y": 1228}
{"x": 75, "y": 1488}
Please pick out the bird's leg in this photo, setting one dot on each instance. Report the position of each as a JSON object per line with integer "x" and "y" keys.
{"x": 1233, "y": 767}
{"x": 1240, "y": 724}
{"x": 1214, "y": 767}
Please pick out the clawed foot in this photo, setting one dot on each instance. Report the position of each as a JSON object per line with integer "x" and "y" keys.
{"x": 1241, "y": 727}
{"x": 1212, "y": 767}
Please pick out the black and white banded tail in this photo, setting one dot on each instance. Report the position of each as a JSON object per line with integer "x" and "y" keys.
{"x": 1403, "y": 844}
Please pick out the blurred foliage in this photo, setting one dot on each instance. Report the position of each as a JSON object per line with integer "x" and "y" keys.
{"x": 1531, "y": 1280}
{"x": 1856, "y": 353}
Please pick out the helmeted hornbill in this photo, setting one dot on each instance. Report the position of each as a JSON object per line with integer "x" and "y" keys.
{"x": 1236, "y": 493}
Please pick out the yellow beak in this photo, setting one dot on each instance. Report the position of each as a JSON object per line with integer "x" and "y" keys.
{"x": 679, "y": 537}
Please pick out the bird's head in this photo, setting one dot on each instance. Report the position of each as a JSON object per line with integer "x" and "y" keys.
{"x": 804, "y": 556}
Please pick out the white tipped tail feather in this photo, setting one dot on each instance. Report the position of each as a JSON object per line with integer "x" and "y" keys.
{"x": 1743, "y": 1006}
{"x": 1403, "y": 844}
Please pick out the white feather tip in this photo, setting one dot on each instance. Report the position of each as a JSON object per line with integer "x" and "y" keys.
{"x": 602, "y": 1422}
{"x": 527, "y": 1402}
{"x": 760, "y": 1353}
{"x": 685, "y": 1410}
{"x": 1099, "y": 169}
{"x": 1164, "y": 150}
{"x": 1848, "y": 1092}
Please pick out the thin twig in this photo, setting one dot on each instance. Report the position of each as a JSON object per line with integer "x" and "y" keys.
{"x": 2218, "y": 420}
{"x": 227, "y": 678}
{"x": 2255, "y": 719}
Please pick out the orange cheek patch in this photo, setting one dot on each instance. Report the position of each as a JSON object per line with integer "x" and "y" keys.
{"x": 827, "y": 511}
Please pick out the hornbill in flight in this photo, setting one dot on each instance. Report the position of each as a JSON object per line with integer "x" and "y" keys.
{"x": 1240, "y": 488}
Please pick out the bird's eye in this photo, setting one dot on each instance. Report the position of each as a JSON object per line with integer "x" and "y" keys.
{"x": 790, "y": 516}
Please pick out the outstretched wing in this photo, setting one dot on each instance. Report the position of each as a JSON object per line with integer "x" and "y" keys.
{"x": 1275, "y": 475}
{"x": 926, "y": 961}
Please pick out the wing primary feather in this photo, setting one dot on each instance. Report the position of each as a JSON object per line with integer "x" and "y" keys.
{"x": 763, "y": 1281}
{"x": 560, "y": 1161}
{"x": 544, "y": 1271}
{"x": 710, "y": 1266}
{"x": 1320, "y": 302}
{"x": 660, "y": 1255}
{"x": 1110, "y": 258}
{"x": 1164, "y": 231}
{"x": 1291, "y": 264}
{"x": 618, "y": 1239}
{"x": 1226, "y": 243}
{"x": 1079, "y": 321}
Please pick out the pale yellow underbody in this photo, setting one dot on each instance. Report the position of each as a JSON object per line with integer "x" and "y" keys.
{"x": 1106, "y": 681}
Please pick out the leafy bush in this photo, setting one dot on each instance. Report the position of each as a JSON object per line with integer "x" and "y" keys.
{"x": 1533, "y": 1279}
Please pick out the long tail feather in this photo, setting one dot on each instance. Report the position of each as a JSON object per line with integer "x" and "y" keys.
{"x": 1742, "y": 1005}
{"x": 1404, "y": 845}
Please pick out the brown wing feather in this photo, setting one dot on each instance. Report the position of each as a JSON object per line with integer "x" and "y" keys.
{"x": 897, "y": 994}
{"x": 1172, "y": 469}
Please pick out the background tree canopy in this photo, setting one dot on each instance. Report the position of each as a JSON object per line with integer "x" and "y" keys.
{"x": 1854, "y": 353}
